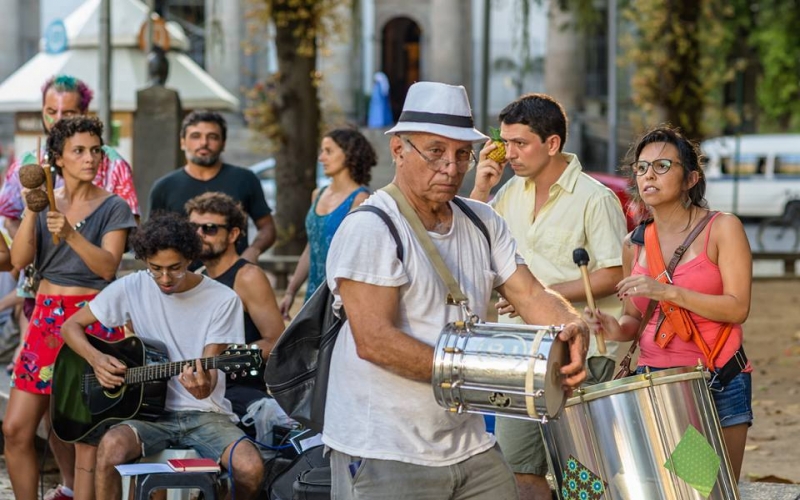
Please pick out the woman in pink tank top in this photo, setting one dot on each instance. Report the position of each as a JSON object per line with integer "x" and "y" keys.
{"x": 712, "y": 281}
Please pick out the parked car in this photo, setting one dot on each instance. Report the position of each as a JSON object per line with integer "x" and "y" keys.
{"x": 265, "y": 171}
{"x": 618, "y": 184}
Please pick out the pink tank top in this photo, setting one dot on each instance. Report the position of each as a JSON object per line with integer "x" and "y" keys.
{"x": 700, "y": 275}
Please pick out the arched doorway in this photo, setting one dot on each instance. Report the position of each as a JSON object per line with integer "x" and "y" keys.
{"x": 400, "y": 59}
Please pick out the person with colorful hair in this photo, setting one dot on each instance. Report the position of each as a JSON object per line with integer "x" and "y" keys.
{"x": 65, "y": 96}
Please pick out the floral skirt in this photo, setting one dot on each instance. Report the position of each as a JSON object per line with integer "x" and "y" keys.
{"x": 33, "y": 369}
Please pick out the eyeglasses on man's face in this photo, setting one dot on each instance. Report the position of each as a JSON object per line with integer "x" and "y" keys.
{"x": 209, "y": 228}
{"x": 435, "y": 160}
{"x": 175, "y": 274}
{"x": 660, "y": 166}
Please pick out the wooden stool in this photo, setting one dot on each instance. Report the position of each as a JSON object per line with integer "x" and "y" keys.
{"x": 204, "y": 481}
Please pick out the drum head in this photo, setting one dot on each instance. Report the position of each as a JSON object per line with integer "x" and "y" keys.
{"x": 554, "y": 395}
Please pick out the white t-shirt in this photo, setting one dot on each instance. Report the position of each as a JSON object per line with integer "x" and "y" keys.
{"x": 182, "y": 323}
{"x": 371, "y": 412}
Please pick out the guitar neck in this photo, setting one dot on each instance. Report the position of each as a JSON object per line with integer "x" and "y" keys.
{"x": 150, "y": 373}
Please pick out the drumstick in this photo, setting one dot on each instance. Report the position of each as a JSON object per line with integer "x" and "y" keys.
{"x": 51, "y": 197}
{"x": 581, "y": 257}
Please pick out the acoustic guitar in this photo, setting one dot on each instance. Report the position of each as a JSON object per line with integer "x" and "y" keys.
{"x": 79, "y": 404}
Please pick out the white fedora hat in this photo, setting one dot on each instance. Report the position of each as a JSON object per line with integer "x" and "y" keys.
{"x": 438, "y": 108}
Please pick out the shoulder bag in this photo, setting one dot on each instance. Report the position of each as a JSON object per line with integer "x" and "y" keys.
{"x": 297, "y": 368}
{"x": 638, "y": 238}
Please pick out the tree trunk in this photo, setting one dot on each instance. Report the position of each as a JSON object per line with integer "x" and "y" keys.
{"x": 296, "y": 159}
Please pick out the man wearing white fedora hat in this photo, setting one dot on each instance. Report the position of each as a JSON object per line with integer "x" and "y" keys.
{"x": 388, "y": 436}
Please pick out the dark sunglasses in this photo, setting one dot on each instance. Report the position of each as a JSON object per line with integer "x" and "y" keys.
{"x": 209, "y": 228}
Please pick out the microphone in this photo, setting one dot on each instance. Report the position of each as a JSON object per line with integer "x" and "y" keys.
{"x": 581, "y": 258}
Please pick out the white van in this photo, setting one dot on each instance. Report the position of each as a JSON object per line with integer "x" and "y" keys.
{"x": 766, "y": 175}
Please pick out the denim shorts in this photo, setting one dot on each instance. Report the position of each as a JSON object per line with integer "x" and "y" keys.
{"x": 733, "y": 402}
{"x": 206, "y": 432}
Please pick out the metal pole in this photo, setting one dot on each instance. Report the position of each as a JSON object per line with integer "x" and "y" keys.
{"x": 487, "y": 11}
{"x": 148, "y": 31}
{"x": 104, "y": 80}
{"x": 611, "y": 159}
{"x": 740, "y": 108}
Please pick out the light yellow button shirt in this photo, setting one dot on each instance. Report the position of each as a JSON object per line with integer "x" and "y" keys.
{"x": 580, "y": 212}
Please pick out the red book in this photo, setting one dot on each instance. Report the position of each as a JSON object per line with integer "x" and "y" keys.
{"x": 193, "y": 465}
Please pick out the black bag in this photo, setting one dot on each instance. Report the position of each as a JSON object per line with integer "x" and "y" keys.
{"x": 313, "y": 484}
{"x": 282, "y": 486}
{"x": 297, "y": 368}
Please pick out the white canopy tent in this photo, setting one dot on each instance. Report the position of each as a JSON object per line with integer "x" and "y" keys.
{"x": 20, "y": 92}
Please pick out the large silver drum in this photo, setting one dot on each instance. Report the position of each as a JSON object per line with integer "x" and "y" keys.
{"x": 626, "y": 431}
{"x": 500, "y": 369}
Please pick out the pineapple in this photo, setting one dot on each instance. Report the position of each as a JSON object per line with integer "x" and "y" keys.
{"x": 499, "y": 153}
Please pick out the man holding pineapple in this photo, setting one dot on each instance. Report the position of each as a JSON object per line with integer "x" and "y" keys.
{"x": 551, "y": 208}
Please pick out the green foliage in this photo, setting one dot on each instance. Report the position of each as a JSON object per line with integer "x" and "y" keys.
{"x": 776, "y": 38}
{"x": 674, "y": 49}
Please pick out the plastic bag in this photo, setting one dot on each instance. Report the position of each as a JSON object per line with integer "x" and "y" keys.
{"x": 264, "y": 414}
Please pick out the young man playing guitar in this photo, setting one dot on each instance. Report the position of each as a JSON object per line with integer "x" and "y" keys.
{"x": 191, "y": 317}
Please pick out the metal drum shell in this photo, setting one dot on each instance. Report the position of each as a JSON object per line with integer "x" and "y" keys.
{"x": 625, "y": 430}
{"x": 484, "y": 367}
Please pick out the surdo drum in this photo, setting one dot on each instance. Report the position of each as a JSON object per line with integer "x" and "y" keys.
{"x": 500, "y": 369}
{"x": 623, "y": 439}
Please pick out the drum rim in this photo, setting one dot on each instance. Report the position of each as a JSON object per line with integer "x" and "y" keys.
{"x": 638, "y": 381}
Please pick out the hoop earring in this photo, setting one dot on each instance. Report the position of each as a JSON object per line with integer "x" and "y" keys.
{"x": 687, "y": 202}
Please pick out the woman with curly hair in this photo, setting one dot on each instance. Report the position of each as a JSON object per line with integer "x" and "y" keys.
{"x": 347, "y": 157}
{"x": 77, "y": 247}
{"x": 701, "y": 306}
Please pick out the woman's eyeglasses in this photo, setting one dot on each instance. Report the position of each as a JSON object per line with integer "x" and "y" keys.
{"x": 660, "y": 166}
{"x": 209, "y": 228}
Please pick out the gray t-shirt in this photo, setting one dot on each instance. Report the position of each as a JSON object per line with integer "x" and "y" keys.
{"x": 59, "y": 264}
{"x": 181, "y": 323}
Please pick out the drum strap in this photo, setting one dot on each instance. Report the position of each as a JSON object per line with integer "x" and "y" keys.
{"x": 666, "y": 274}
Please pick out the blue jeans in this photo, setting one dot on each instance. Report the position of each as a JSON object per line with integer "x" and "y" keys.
{"x": 483, "y": 476}
{"x": 733, "y": 402}
{"x": 206, "y": 432}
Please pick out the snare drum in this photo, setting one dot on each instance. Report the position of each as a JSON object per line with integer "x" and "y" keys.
{"x": 500, "y": 369}
{"x": 625, "y": 431}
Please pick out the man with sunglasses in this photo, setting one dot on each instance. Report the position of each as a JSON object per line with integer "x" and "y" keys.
{"x": 389, "y": 437}
{"x": 552, "y": 208}
{"x": 219, "y": 221}
{"x": 191, "y": 317}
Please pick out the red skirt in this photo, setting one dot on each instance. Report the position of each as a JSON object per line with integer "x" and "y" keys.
{"x": 33, "y": 369}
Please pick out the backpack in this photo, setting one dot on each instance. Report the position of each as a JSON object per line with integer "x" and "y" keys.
{"x": 297, "y": 369}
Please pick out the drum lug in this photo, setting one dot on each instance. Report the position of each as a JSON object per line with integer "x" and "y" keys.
{"x": 456, "y": 409}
